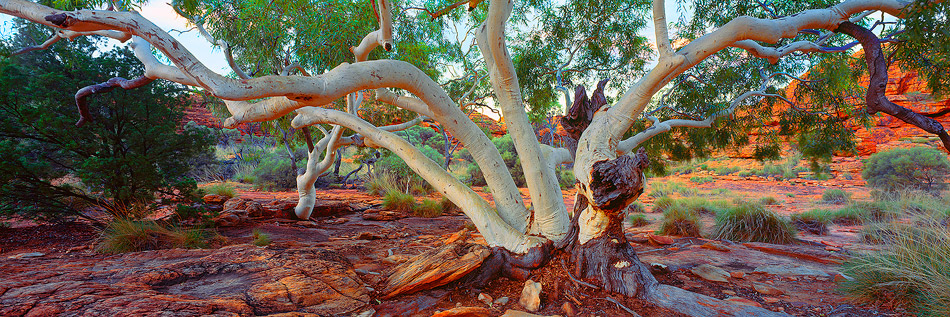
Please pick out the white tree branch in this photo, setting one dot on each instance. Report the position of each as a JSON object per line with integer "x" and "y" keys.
{"x": 495, "y": 230}
{"x": 550, "y": 211}
{"x": 661, "y": 29}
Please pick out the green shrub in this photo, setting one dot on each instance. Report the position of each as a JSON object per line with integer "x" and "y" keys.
{"x": 726, "y": 170}
{"x": 662, "y": 204}
{"x": 919, "y": 168}
{"x": 753, "y": 222}
{"x": 398, "y": 201}
{"x": 701, "y": 180}
{"x": 127, "y": 235}
{"x": 768, "y": 200}
{"x": 861, "y": 212}
{"x": 638, "y": 220}
{"x": 911, "y": 269}
{"x": 380, "y": 182}
{"x": 658, "y": 189}
{"x": 681, "y": 222}
{"x": 836, "y": 196}
{"x": 194, "y": 214}
{"x": 259, "y": 238}
{"x": 427, "y": 209}
{"x": 506, "y": 147}
{"x": 815, "y": 221}
{"x": 132, "y": 148}
{"x": 274, "y": 172}
{"x": 448, "y": 206}
{"x": 566, "y": 178}
{"x": 222, "y": 189}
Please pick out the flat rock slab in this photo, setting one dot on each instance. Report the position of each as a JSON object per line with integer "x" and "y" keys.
{"x": 235, "y": 280}
{"x": 789, "y": 270}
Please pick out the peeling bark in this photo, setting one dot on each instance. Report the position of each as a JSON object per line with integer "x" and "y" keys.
{"x": 582, "y": 112}
{"x": 877, "y": 84}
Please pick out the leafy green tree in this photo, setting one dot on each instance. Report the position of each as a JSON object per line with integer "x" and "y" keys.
{"x": 918, "y": 168}
{"x": 130, "y": 151}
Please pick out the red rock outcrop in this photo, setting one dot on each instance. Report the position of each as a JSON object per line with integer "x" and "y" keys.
{"x": 235, "y": 280}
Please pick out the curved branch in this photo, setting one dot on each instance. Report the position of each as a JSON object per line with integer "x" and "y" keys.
{"x": 495, "y": 230}
{"x": 742, "y": 28}
{"x": 69, "y": 35}
{"x": 877, "y": 84}
{"x": 107, "y": 86}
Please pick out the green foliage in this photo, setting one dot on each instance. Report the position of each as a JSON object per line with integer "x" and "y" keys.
{"x": 681, "y": 222}
{"x": 753, "y": 222}
{"x": 638, "y": 220}
{"x": 381, "y": 182}
{"x": 259, "y": 238}
{"x": 668, "y": 188}
{"x": 911, "y": 269}
{"x": 132, "y": 149}
{"x": 427, "y": 209}
{"x": 815, "y": 221}
{"x": 398, "y": 201}
{"x": 924, "y": 43}
{"x": 448, "y": 206}
{"x": 506, "y": 147}
{"x": 402, "y": 174}
{"x": 835, "y": 196}
{"x": 274, "y": 172}
{"x": 861, "y": 212}
{"x": 768, "y": 200}
{"x": 702, "y": 179}
{"x": 127, "y": 235}
{"x": 565, "y": 177}
{"x": 662, "y": 204}
{"x": 222, "y": 189}
{"x": 194, "y": 214}
{"x": 899, "y": 169}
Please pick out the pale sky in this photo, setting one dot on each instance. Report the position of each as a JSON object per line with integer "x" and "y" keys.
{"x": 160, "y": 13}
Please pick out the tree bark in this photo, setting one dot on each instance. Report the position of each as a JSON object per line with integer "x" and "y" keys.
{"x": 877, "y": 84}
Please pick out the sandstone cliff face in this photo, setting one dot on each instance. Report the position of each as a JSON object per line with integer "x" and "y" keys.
{"x": 908, "y": 90}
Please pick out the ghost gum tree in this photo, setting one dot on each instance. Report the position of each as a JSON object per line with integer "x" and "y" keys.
{"x": 719, "y": 64}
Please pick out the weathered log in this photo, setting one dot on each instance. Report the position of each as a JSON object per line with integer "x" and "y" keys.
{"x": 435, "y": 268}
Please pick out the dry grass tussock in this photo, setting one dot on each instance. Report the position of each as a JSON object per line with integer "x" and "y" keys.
{"x": 913, "y": 268}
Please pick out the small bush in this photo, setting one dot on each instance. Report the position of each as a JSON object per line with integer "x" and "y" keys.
{"x": 701, "y": 180}
{"x": 381, "y": 182}
{"x": 448, "y": 206}
{"x": 398, "y": 201}
{"x": 566, "y": 178}
{"x": 638, "y": 220}
{"x": 127, "y": 235}
{"x": 662, "y": 204}
{"x": 836, "y": 196}
{"x": 194, "y": 214}
{"x": 681, "y": 222}
{"x": 919, "y": 168}
{"x": 275, "y": 172}
{"x": 222, "y": 189}
{"x": 911, "y": 269}
{"x": 861, "y": 212}
{"x": 768, "y": 200}
{"x": 815, "y": 221}
{"x": 427, "y": 209}
{"x": 753, "y": 222}
{"x": 259, "y": 238}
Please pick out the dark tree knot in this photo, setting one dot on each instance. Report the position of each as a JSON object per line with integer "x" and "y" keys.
{"x": 614, "y": 183}
{"x": 59, "y": 19}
